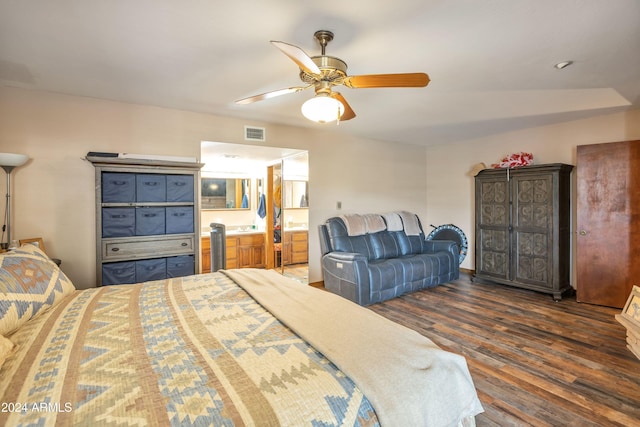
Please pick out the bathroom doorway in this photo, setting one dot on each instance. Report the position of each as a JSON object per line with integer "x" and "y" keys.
{"x": 254, "y": 213}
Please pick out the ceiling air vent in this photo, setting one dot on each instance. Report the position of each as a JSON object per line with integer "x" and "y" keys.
{"x": 252, "y": 133}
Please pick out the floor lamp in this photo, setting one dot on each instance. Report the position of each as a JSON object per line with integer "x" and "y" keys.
{"x": 9, "y": 161}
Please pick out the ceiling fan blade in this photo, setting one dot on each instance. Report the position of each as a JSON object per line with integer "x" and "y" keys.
{"x": 348, "y": 113}
{"x": 268, "y": 95}
{"x": 298, "y": 56}
{"x": 387, "y": 80}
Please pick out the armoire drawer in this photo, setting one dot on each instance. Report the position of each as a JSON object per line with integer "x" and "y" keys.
{"x": 145, "y": 247}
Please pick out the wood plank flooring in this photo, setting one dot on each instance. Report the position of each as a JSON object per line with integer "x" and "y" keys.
{"x": 535, "y": 362}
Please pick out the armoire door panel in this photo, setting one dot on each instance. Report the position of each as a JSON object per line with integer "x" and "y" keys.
{"x": 533, "y": 203}
{"x": 534, "y": 261}
{"x": 494, "y": 253}
{"x": 495, "y": 203}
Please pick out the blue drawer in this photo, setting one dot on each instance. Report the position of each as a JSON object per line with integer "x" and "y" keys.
{"x": 118, "y": 187}
{"x": 179, "y": 188}
{"x": 150, "y": 221}
{"x": 151, "y": 187}
{"x": 179, "y": 266}
{"x": 118, "y": 222}
{"x": 151, "y": 269}
{"x": 179, "y": 219}
{"x": 117, "y": 273}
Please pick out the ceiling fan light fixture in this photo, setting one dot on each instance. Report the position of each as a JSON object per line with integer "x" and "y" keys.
{"x": 322, "y": 108}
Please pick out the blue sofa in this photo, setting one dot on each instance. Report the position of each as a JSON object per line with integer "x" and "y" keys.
{"x": 375, "y": 266}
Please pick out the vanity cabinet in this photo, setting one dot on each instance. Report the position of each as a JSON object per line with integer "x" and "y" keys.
{"x": 147, "y": 216}
{"x": 523, "y": 235}
{"x": 232, "y": 252}
{"x": 296, "y": 247}
{"x": 250, "y": 251}
{"x": 243, "y": 251}
{"x": 205, "y": 261}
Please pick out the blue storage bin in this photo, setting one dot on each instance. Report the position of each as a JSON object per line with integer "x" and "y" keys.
{"x": 151, "y": 269}
{"x": 179, "y": 219}
{"x": 118, "y": 222}
{"x": 118, "y": 187}
{"x": 179, "y": 188}
{"x": 150, "y": 221}
{"x": 151, "y": 187}
{"x": 179, "y": 266}
{"x": 117, "y": 273}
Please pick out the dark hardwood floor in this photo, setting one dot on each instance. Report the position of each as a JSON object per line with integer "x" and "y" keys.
{"x": 535, "y": 362}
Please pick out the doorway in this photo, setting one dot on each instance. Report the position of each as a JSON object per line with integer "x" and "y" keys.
{"x": 257, "y": 214}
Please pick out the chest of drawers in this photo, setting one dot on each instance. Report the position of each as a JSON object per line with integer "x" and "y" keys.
{"x": 147, "y": 215}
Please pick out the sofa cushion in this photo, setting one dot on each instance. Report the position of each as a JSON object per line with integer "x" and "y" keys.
{"x": 342, "y": 242}
{"x": 384, "y": 245}
{"x": 385, "y": 274}
{"x": 427, "y": 267}
{"x": 408, "y": 245}
{"x": 395, "y": 276}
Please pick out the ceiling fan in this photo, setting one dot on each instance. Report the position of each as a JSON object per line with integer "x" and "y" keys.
{"x": 323, "y": 72}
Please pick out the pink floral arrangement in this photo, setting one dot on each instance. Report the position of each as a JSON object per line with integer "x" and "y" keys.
{"x": 515, "y": 160}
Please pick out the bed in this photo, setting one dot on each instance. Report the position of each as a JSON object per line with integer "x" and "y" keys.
{"x": 236, "y": 347}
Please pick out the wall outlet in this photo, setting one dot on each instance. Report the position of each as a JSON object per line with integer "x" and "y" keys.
{"x": 338, "y": 205}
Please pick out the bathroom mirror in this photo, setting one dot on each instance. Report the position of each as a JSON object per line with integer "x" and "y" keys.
{"x": 296, "y": 194}
{"x": 224, "y": 193}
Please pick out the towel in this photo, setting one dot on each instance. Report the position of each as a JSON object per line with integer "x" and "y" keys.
{"x": 245, "y": 201}
{"x": 410, "y": 222}
{"x": 262, "y": 207}
{"x": 355, "y": 224}
{"x": 394, "y": 223}
{"x": 374, "y": 223}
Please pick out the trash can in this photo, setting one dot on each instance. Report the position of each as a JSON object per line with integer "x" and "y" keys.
{"x": 218, "y": 247}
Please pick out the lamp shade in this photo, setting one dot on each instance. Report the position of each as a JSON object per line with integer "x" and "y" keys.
{"x": 322, "y": 109}
{"x": 11, "y": 159}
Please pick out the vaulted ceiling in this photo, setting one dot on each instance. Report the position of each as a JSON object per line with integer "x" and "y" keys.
{"x": 491, "y": 62}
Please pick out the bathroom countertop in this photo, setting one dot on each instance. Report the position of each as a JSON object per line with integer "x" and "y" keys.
{"x": 245, "y": 232}
{"x": 235, "y": 233}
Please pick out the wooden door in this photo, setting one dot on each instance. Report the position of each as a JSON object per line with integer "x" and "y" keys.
{"x": 608, "y": 196}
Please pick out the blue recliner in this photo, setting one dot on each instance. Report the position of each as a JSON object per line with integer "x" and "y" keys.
{"x": 371, "y": 267}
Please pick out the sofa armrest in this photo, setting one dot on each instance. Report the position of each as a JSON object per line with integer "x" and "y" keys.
{"x": 347, "y": 274}
{"x": 347, "y": 256}
{"x": 442, "y": 246}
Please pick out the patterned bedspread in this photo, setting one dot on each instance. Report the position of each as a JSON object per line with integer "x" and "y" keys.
{"x": 187, "y": 351}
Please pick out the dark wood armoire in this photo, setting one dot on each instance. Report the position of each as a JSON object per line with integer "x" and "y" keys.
{"x": 523, "y": 235}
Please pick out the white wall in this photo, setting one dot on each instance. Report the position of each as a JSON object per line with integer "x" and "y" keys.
{"x": 53, "y": 194}
{"x": 450, "y": 185}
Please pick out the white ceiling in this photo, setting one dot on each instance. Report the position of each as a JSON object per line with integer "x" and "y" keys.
{"x": 490, "y": 62}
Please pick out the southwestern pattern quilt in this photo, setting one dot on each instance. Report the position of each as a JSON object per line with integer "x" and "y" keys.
{"x": 188, "y": 351}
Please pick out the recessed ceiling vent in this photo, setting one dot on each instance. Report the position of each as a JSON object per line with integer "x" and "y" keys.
{"x": 252, "y": 133}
